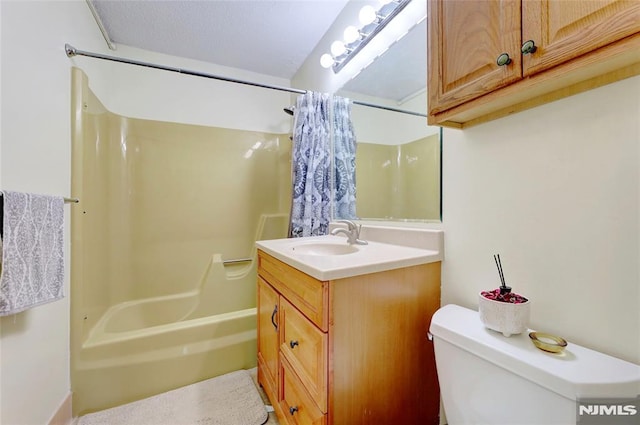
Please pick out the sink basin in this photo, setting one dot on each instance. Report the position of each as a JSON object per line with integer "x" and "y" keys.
{"x": 330, "y": 257}
{"x": 320, "y": 248}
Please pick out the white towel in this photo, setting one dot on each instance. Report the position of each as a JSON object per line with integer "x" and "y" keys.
{"x": 32, "y": 251}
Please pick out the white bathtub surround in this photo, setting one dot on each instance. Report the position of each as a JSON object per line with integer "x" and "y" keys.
{"x": 230, "y": 399}
{"x": 331, "y": 257}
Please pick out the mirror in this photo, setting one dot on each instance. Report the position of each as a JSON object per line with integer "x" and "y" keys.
{"x": 398, "y": 156}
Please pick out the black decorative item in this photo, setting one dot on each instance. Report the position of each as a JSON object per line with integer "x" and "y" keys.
{"x": 504, "y": 289}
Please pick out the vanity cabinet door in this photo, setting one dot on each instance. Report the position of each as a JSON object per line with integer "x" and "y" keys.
{"x": 563, "y": 30}
{"x": 268, "y": 338}
{"x": 465, "y": 40}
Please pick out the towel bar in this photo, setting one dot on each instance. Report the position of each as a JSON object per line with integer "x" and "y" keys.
{"x": 238, "y": 260}
{"x": 66, "y": 200}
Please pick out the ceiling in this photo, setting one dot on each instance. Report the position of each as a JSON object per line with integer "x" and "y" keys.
{"x": 272, "y": 37}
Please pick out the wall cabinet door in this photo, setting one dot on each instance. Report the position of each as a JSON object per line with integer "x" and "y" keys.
{"x": 465, "y": 40}
{"x": 563, "y": 30}
{"x": 268, "y": 336}
{"x": 579, "y": 45}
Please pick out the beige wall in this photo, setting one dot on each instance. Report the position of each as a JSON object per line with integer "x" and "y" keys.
{"x": 419, "y": 166}
{"x": 555, "y": 190}
{"x": 375, "y": 174}
{"x": 399, "y": 181}
{"x": 35, "y": 145}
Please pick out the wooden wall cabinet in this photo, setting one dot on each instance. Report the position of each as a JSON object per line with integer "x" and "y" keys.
{"x": 555, "y": 48}
{"x": 348, "y": 351}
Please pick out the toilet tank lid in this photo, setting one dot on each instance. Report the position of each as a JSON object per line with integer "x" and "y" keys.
{"x": 578, "y": 373}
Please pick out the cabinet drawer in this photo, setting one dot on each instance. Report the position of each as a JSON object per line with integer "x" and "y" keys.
{"x": 296, "y": 405}
{"x": 309, "y": 295}
{"x": 305, "y": 348}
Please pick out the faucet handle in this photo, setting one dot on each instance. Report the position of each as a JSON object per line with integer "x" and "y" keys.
{"x": 350, "y": 224}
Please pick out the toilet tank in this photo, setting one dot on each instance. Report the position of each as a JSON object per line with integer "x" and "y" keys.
{"x": 487, "y": 378}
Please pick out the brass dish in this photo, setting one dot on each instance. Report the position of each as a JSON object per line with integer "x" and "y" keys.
{"x": 548, "y": 342}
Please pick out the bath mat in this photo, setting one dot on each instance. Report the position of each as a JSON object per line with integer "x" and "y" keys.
{"x": 230, "y": 399}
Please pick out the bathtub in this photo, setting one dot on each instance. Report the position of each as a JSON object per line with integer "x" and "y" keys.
{"x": 141, "y": 348}
{"x": 153, "y": 305}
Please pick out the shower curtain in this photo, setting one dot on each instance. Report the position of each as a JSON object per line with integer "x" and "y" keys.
{"x": 315, "y": 162}
{"x": 344, "y": 147}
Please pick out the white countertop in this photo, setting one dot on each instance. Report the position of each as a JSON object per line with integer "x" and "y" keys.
{"x": 374, "y": 257}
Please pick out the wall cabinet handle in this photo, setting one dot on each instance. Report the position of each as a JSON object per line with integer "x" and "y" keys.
{"x": 293, "y": 410}
{"x": 503, "y": 59}
{"x": 293, "y": 344}
{"x": 528, "y": 47}
{"x": 273, "y": 315}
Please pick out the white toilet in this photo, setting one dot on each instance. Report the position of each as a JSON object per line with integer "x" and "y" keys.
{"x": 486, "y": 378}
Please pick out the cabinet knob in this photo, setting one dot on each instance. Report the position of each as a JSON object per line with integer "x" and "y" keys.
{"x": 293, "y": 344}
{"x": 503, "y": 59}
{"x": 528, "y": 47}
{"x": 293, "y": 410}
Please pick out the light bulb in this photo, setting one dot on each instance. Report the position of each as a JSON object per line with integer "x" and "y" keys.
{"x": 367, "y": 15}
{"x": 351, "y": 34}
{"x": 338, "y": 48}
{"x": 326, "y": 60}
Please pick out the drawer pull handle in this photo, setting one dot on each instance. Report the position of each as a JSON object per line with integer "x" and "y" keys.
{"x": 273, "y": 315}
{"x": 293, "y": 410}
{"x": 528, "y": 47}
{"x": 503, "y": 59}
{"x": 293, "y": 344}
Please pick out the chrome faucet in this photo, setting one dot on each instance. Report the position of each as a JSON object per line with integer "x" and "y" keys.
{"x": 352, "y": 231}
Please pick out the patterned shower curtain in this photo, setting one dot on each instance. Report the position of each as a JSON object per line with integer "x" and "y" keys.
{"x": 316, "y": 116}
{"x": 344, "y": 147}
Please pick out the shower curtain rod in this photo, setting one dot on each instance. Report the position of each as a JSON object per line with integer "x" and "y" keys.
{"x": 72, "y": 51}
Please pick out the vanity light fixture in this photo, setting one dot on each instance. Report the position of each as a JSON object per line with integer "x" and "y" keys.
{"x": 372, "y": 21}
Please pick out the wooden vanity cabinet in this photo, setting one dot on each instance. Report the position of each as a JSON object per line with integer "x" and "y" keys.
{"x": 579, "y": 45}
{"x": 348, "y": 351}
